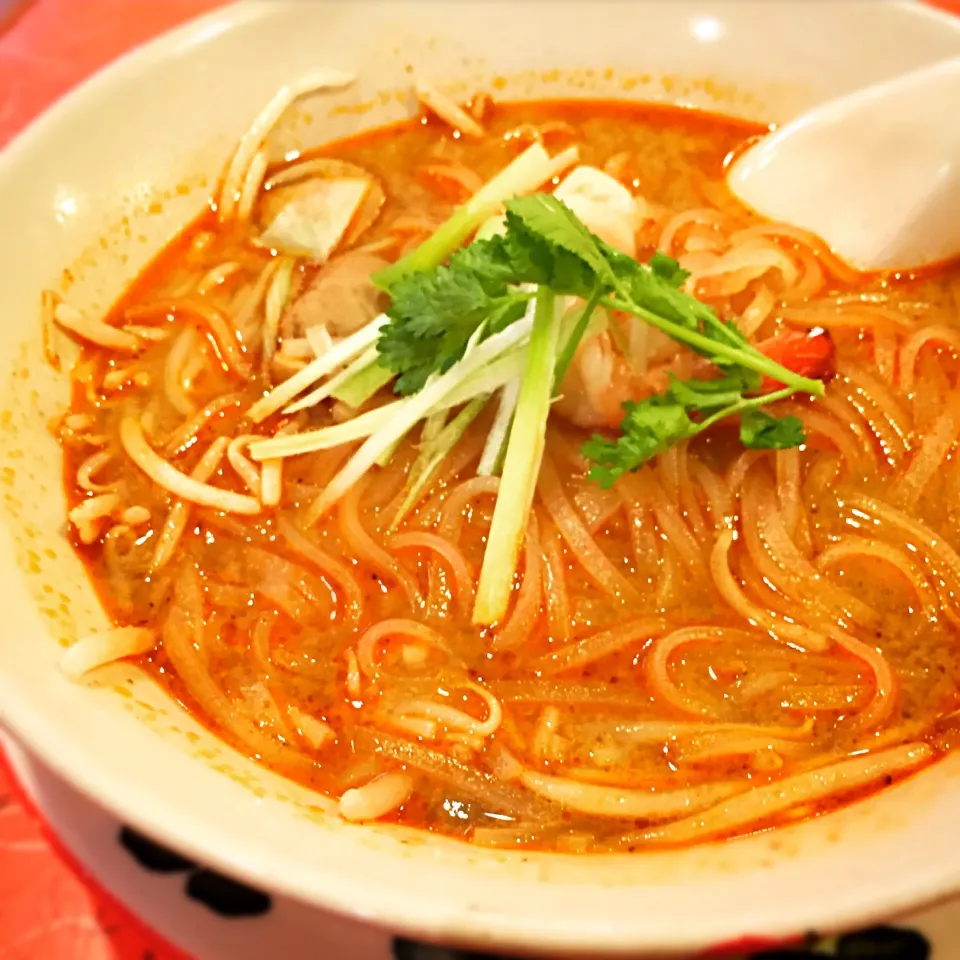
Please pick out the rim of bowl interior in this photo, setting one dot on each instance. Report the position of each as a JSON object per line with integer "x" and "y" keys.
{"x": 127, "y": 797}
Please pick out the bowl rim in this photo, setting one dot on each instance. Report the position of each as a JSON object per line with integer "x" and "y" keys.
{"x": 397, "y": 910}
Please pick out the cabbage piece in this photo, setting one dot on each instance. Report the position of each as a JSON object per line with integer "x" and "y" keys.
{"x": 313, "y": 216}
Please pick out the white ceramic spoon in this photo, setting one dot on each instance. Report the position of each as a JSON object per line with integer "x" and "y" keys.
{"x": 875, "y": 173}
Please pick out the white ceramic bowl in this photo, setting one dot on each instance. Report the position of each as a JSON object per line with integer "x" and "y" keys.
{"x": 101, "y": 181}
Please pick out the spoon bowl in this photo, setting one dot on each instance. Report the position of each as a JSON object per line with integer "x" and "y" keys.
{"x": 875, "y": 173}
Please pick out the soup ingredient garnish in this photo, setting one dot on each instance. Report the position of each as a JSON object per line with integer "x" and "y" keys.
{"x": 662, "y": 420}
{"x": 493, "y": 315}
{"x": 524, "y": 174}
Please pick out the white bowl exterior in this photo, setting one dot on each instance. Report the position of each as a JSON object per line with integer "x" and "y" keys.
{"x": 113, "y": 171}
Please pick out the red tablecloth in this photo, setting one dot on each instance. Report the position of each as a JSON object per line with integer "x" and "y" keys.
{"x": 48, "y": 908}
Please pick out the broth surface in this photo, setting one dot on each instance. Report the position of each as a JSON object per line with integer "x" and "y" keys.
{"x": 848, "y": 538}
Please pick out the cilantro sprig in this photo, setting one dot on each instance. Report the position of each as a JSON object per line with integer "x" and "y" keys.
{"x": 486, "y": 286}
{"x": 686, "y": 409}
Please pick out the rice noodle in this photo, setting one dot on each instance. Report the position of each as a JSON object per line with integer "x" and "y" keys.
{"x": 92, "y": 465}
{"x": 911, "y": 347}
{"x": 778, "y": 627}
{"x": 555, "y": 595}
{"x": 459, "y": 566}
{"x": 676, "y": 223}
{"x": 600, "y": 569}
{"x": 882, "y": 703}
{"x": 366, "y": 548}
{"x": 165, "y": 475}
{"x": 250, "y": 143}
{"x": 672, "y": 525}
{"x": 314, "y": 732}
{"x": 252, "y": 182}
{"x": 788, "y": 488}
{"x": 766, "y": 802}
{"x": 778, "y": 558}
{"x": 182, "y": 638}
{"x": 453, "y": 718}
{"x": 929, "y": 459}
{"x": 216, "y": 277}
{"x": 565, "y": 691}
{"x": 99, "y": 649}
{"x": 938, "y": 549}
{"x": 840, "y": 434}
{"x": 173, "y": 384}
{"x": 271, "y": 482}
{"x": 624, "y": 803}
{"x": 888, "y": 420}
{"x": 520, "y": 622}
{"x": 185, "y": 435}
{"x": 852, "y": 547}
{"x": 88, "y": 515}
{"x": 248, "y": 303}
{"x": 243, "y": 466}
{"x": 330, "y": 566}
{"x": 368, "y": 645}
{"x": 179, "y": 515}
{"x": 446, "y": 109}
{"x": 276, "y": 298}
{"x": 662, "y": 731}
{"x": 689, "y": 505}
{"x": 657, "y": 662}
{"x": 758, "y": 310}
{"x": 885, "y": 355}
{"x": 451, "y": 515}
{"x": 95, "y": 331}
{"x": 462, "y": 781}
{"x": 223, "y": 335}
{"x": 547, "y": 744}
{"x": 377, "y": 798}
{"x": 599, "y": 645}
{"x": 719, "y": 497}
{"x": 787, "y": 231}
{"x": 741, "y": 265}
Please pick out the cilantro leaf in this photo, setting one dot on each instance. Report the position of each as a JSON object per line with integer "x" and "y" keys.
{"x": 686, "y": 409}
{"x": 760, "y": 430}
{"x": 434, "y": 314}
{"x": 549, "y": 218}
{"x": 668, "y": 269}
{"x": 649, "y": 428}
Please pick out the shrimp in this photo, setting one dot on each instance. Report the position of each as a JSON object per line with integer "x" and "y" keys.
{"x": 601, "y": 380}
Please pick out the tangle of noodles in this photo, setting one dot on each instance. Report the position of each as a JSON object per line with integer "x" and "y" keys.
{"x": 527, "y": 608}
{"x": 455, "y": 560}
{"x": 726, "y": 640}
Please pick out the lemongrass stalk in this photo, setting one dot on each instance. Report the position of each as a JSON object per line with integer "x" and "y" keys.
{"x": 521, "y": 465}
{"x": 414, "y": 408}
{"x": 339, "y": 379}
{"x": 522, "y": 175}
{"x": 432, "y": 454}
{"x": 493, "y": 450}
{"x": 341, "y": 353}
{"x": 360, "y": 387}
{"x": 326, "y": 438}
